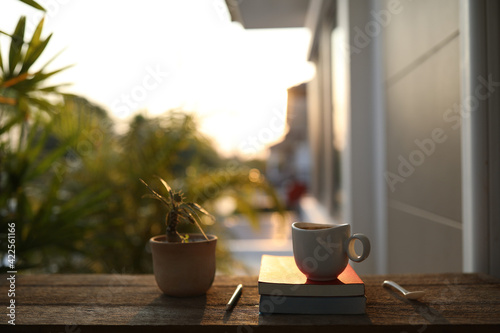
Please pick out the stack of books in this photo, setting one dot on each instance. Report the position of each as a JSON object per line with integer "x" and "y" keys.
{"x": 283, "y": 288}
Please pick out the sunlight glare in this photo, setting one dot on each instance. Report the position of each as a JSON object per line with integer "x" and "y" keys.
{"x": 160, "y": 55}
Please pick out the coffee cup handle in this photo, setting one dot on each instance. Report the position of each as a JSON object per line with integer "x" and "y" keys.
{"x": 351, "y": 252}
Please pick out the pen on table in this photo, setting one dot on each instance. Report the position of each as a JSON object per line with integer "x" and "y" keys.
{"x": 234, "y": 299}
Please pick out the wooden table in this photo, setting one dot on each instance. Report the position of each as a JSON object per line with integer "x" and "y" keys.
{"x": 133, "y": 303}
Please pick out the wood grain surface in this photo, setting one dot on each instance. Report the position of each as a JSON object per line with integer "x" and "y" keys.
{"x": 133, "y": 303}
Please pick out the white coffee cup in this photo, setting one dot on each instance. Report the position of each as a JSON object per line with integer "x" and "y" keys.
{"x": 321, "y": 251}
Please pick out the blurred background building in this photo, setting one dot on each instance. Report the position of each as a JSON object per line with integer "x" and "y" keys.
{"x": 289, "y": 161}
{"x": 402, "y": 126}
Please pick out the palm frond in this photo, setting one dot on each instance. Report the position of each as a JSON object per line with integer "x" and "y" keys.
{"x": 12, "y": 122}
{"x": 33, "y": 53}
{"x": 53, "y": 58}
{"x": 15, "y": 80}
{"x": 41, "y": 76}
{"x": 1, "y": 60}
{"x": 16, "y": 45}
{"x": 33, "y": 47}
{"x": 54, "y": 88}
{"x": 33, "y": 4}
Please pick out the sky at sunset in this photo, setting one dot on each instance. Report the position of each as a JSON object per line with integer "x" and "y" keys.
{"x": 157, "y": 55}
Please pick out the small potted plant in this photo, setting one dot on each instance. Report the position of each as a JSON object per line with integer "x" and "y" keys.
{"x": 184, "y": 265}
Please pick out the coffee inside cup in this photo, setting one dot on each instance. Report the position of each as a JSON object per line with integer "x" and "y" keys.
{"x": 314, "y": 227}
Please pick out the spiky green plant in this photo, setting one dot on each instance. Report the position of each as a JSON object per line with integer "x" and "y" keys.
{"x": 177, "y": 211}
{"x": 24, "y": 91}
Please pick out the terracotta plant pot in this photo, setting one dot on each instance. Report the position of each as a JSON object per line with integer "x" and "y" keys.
{"x": 184, "y": 269}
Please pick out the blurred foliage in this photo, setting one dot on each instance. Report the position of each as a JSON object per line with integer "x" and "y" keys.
{"x": 82, "y": 210}
{"x": 171, "y": 147}
{"x": 30, "y": 191}
{"x": 70, "y": 180}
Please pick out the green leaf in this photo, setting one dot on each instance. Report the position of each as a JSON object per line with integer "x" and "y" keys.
{"x": 33, "y": 57}
{"x": 53, "y": 58}
{"x": 40, "y": 76}
{"x": 31, "y": 84}
{"x": 165, "y": 184}
{"x": 35, "y": 142}
{"x": 1, "y": 62}
{"x": 156, "y": 194}
{"x": 193, "y": 217}
{"x": 168, "y": 188}
{"x": 35, "y": 48}
{"x": 54, "y": 88}
{"x": 42, "y": 216}
{"x": 41, "y": 103}
{"x": 16, "y": 45}
{"x": 152, "y": 196}
{"x": 35, "y": 39}
{"x": 200, "y": 209}
{"x": 246, "y": 209}
{"x": 13, "y": 121}
{"x": 33, "y": 4}
{"x": 185, "y": 238}
{"x": 47, "y": 162}
{"x": 3, "y": 32}
{"x": 84, "y": 203}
